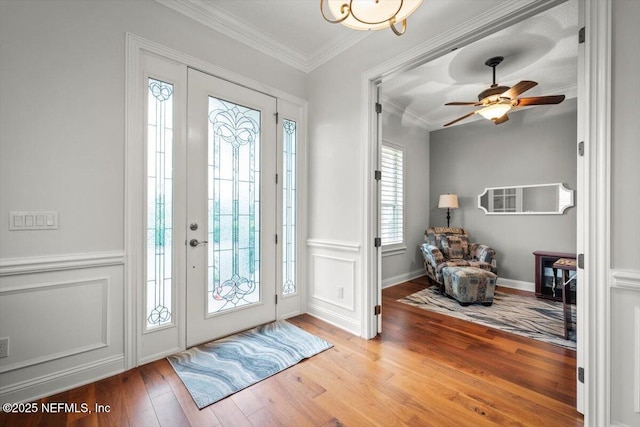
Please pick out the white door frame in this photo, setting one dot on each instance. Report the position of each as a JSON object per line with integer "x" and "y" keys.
{"x": 595, "y": 180}
{"x": 135, "y": 48}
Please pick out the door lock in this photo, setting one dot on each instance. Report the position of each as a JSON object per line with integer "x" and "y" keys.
{"x": 195, "y": 242}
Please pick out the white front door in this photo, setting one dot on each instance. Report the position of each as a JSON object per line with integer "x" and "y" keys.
{"x": 231, "y": 208}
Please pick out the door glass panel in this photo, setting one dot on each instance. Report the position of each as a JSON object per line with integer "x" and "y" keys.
{"x": 233, "y": 206}
{"x": 159, "y": 149}
{"x": 289, "y": 209}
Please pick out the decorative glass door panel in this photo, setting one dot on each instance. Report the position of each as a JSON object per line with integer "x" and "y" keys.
{"x": 233, "y": 206}
{"x": 289, "y": 208}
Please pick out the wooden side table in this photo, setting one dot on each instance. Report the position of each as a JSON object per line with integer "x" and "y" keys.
{"x": 545, "y": 283}
{"x": 567, "y": 265}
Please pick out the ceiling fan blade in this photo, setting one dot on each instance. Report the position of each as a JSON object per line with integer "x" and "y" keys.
{"x": 501, "y": 119}
{"x": 518, "y": 88}
{"x": 460, "y": 118}
{"x": 540, "y": 100}
{"x": 463, "y": 103}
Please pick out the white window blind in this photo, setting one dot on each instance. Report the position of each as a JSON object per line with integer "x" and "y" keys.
{"x": 392, "y": 197}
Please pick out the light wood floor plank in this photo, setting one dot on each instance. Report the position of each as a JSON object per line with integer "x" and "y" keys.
{"x": 425, "y": 369}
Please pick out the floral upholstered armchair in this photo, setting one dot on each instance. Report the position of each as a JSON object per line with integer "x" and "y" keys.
{"x": 450, "y": 247}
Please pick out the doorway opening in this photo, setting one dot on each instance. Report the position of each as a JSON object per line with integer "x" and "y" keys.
{"x": 379, "y": 76}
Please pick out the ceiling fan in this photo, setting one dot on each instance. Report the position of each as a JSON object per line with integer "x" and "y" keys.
{"x": 496, "y": 101}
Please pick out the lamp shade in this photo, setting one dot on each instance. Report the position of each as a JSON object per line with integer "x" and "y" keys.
{"x": 448, "y": 201}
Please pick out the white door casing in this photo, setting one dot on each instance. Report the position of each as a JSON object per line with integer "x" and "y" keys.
{"x": 148, "y": 59}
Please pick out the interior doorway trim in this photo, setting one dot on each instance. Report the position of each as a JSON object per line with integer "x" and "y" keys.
{"x": 597, "y": 163}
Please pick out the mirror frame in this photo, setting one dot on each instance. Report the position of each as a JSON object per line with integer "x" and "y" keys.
{"x": 560, "y": 186}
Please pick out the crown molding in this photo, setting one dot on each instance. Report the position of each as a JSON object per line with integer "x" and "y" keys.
{"x": 334, "y": 48}
{"x": 222, "y": 22}
{"x": 406, "y": 114}
{"x": 231, "y": 26}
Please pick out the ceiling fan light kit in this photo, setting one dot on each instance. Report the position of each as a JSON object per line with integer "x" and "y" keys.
{"x": 370, "y": 14}
{"x": 497, "y": 101}
{"x": 495, "y": 111}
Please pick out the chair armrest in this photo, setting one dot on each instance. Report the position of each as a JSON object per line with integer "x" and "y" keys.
{"x": 431, "y": 254}
{"x": 483, "y": 253}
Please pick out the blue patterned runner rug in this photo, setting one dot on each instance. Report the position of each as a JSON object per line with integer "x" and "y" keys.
{"x": 537, "y": 318}
{"x": 215, "y": 370}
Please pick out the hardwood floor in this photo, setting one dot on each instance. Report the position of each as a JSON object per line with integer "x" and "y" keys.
{"x": 424, "y": 370}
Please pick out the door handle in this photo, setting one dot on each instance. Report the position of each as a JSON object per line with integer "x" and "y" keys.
{"x": 195, "y": 242}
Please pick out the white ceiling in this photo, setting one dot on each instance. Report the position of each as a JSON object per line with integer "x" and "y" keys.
{"x": 542, "y": 48}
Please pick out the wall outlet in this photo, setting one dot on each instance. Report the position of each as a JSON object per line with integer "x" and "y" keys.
{"x": 340, "y": 292}
{"x": 4, "y": 347}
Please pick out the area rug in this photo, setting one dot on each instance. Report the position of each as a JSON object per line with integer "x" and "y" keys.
{"x": 535, "y": 318}
{"x": 215, "y": 370}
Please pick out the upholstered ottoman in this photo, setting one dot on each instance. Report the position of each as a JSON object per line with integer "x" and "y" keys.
{"x": 469, "y": 285}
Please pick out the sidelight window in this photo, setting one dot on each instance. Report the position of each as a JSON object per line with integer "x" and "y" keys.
{"x": 159, "y": 204}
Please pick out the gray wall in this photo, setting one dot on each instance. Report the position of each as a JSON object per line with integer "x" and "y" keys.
{"x": 625, "y": 137}
{"x": 536, "y": 146}
{"x": 625, "y": 211}
{"x": 62, "y": 103}
{"x": 415, "y": 141}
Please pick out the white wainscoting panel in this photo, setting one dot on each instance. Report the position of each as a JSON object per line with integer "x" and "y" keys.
{"x": 625, "y": 347}
{"x": 335, "y": 275}
{"x": 54, "y": 310}
{"x": 64, "y": 317}
{"x": 334, "y": 283}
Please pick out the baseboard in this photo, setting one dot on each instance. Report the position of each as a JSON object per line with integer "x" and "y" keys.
{"x": 50, "y": 384}
{"x": 335, "y": 319}
{"x": 160, "y": 355}
{"x": 517, "y": 284}
{"x": 401, "y": 278}
{"x": 290, "y": 314}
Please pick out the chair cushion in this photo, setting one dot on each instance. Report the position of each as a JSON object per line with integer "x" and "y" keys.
{"x": 434, "y": 235}
{"x": 463, "y": 263}
{"x": 455, "y": 247}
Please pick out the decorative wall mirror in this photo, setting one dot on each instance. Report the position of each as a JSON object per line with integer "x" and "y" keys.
{"x": 540, "y": 199}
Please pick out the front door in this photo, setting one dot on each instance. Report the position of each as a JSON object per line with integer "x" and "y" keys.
{"x": 231, "y": 208}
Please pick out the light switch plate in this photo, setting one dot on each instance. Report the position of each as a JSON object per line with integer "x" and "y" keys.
{"x": 22, "y": 221}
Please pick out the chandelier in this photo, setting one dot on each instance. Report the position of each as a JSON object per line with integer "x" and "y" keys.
{"x": 370, "y": 14}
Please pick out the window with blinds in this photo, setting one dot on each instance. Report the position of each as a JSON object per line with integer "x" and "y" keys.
{"x": 392, "y": 195}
